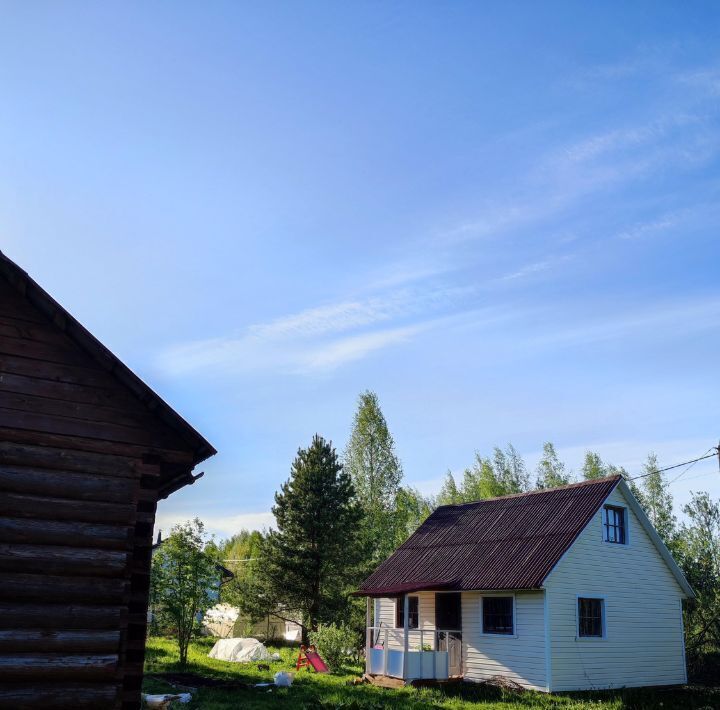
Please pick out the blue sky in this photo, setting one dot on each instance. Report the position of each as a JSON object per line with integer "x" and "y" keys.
{"x": 502, "y": 217}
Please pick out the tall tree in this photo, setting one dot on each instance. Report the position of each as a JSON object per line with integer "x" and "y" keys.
{"x": 593, "y": 466}
{"x": 550, "y": 470}
{"x": 183, "y": 581}
{"x": 376, "y": 473}
{"x": 510, "y": 470}
{"x": 310, "y": 562}
{"x": 411, "y": 509}
{"x": 658, "y": 501}
{"x": 238, "y": 553}
{"x": 699, "y": 551}
{"x": 449, "y": 494}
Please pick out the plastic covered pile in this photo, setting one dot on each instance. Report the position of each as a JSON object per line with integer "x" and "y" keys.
{"x": 240, "y": 650}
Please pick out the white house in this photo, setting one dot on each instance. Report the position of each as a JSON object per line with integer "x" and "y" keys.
{"x": 564, "y": 589}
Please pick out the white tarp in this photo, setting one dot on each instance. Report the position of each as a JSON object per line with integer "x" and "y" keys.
{"x": 220, "y": 620}
{"x": 240, "y": 650}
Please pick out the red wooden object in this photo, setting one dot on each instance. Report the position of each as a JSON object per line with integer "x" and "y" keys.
{"x": 309, "y": 657}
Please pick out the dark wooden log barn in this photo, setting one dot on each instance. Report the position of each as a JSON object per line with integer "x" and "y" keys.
{"x": 86, "y": 452}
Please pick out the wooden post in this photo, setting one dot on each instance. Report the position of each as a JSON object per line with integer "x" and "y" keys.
{"x": 368, "y": 637}
{"x": 385, "y": 653}
{"x": 406, "y": 626}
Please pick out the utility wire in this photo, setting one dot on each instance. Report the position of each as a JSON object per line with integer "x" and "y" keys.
{"x": 680, "y": 475}
{"x": 678, "y": 465}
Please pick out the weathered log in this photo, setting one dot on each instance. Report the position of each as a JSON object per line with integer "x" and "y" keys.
{"x": 55, "y": 372}
{"x": 59, "y": 616}
{"x": 44, "y": 507}
{"x": 71, "y": 533}
{"x": 50, "y": 457}
{"x": 54, "y": 559}
{"x": 50, "y": 666}
{"x": 73, "y": 486}
{"x": 40, "y": 641}
{"x": 68, "y": 354}
{"x": 110, "y": 396}
{"x": 42, "y": 587}
{"x": 136, "y": 417}
{"x": 58, "y": 696}
{"x": 89, "y": 429}
{"x": 28, "y": 330}
{"x": 77, "y": 443}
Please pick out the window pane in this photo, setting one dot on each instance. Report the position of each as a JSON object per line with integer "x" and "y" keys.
{"x": 590, "y": 617}
{"x": 497, "y": 615}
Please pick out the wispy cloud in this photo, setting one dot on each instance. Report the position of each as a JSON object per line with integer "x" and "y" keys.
{"x": 345, "y": 350}
{"x": 216, "y": 524}
{"x": 315, "y": 340}
{"x": 535, "y": 268}
{"x": 660, "y": 320}
{"x": 643, "y": 229}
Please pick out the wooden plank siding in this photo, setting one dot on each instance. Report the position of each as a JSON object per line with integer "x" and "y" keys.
{"x": 519, "y": 657}
{"x": 643, "y": 643}
{"x": 83, "y": 461}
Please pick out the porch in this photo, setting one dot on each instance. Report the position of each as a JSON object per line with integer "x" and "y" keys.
{"x": 414, "y": 637}
{"x": 417, "y": 655}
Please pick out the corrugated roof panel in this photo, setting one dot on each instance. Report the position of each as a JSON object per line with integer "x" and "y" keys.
{"x": 511, "y": 542}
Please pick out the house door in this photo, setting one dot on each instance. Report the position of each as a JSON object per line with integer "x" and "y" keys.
{"x": 448, "y": 621}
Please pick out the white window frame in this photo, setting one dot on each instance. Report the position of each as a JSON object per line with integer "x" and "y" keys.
{"x": 603, "y": 617}
{"x": 493, "y": 635}
{"x": 626, "y": 522}
{"x": 400, "y": 601}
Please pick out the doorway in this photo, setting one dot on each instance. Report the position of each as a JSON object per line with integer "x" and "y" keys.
{"x": 448, "y": 620}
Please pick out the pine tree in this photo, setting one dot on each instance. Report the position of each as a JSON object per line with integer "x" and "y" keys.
{"x": 376, "y": 473}
{"x": 311, "y": 561}
{"x": 551, "y": 471}
{"x": 658, "y": 501}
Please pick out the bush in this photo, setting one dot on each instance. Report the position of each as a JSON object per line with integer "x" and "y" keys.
{"x": 334, "y": 643}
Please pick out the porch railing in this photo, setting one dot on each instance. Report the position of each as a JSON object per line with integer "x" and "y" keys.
{"x": 426, "y": 653}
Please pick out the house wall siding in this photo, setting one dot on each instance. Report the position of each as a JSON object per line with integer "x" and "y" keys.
{"x": 520, "y": 658}
{"x": 644, "y": 638}
{"x": 385, "y": 617}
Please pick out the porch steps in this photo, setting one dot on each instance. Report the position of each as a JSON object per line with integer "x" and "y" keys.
{"x": 384, "y": 681}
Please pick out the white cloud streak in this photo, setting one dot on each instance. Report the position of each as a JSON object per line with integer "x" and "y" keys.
{"x": 216, "y": 524}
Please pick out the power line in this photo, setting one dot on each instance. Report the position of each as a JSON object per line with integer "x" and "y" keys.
{"x": 680, "y": 475}
{"x": 678, "y": 465}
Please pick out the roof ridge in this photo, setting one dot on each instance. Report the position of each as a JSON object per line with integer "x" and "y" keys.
{"x": 577, "y": 484}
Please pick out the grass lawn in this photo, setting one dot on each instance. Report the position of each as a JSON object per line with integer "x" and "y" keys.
{"x": 311, "y": 690}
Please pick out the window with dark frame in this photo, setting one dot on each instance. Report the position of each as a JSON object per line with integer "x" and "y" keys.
{"x": 614, "y": 524}
{"x": 590, "y": 618}
{"x": 498, "y": 615}
{"x": 413, "y": 613}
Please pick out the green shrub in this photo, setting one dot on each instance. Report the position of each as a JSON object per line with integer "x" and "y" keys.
{"x": 334, "y": 644}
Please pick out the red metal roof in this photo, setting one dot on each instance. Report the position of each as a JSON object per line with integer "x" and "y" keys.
{"x": 512, "y": 542}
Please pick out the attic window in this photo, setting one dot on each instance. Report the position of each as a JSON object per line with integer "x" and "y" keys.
{"x": 590, "y": 618}
{"x": 614, "y": 527}
{"x": 413, "y": 613}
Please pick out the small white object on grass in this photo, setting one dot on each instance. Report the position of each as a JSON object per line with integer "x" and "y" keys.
{"x": 283, "y": 679}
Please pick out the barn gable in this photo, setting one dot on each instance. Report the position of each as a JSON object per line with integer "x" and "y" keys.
{"x": 86, "y": 451}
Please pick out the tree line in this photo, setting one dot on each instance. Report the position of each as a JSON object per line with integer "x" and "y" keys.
{"x": 339, "y": 515}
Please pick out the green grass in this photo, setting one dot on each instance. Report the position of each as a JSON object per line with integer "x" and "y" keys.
{"x": 311, "y": 690}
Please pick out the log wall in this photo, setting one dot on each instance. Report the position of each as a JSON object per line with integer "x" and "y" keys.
{"x": 82, "y": 462}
